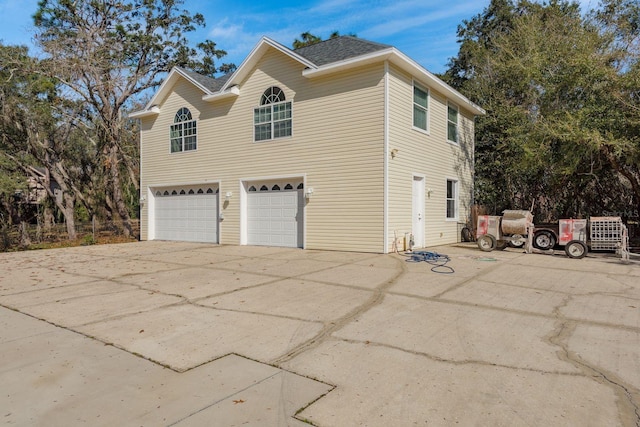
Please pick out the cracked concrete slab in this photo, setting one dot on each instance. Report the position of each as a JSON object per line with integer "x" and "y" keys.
{"x": 459, "y": 333}
{"x": 507, "y": 297}
{"x": 603, "y": 308}
{"x": 614, "y": 350}
{"x": 297, "y": 298}
{"x": 276, "y": 267}
{"x": 195, "y": 282}
{"x": 58, "y": 294}
{"x": 376, "y": 387}
{"x": 80, "y": 310}
{"x": 52, "y": 376}
{"x": 185, "y": 336}
{"x": 365, "y": 276}
{"x": 506, "y": 339}
{"x": 35, "y": 278}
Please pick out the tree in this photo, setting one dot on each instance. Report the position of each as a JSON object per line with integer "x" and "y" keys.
{"x": 549, "y": 82}
{"x": 308, "y": 39}
{"x": 105, "y": 55}
{"x": 39, "y": 129}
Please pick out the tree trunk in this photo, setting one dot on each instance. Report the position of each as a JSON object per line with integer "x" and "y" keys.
{"x": 24, "y": 235}
{"x": 69, "y": 215}
{"x": 47, "y": 218}
{"x": 116, "y": 190}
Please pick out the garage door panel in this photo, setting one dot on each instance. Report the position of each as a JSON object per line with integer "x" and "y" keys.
{"x": 275, "y": 218}
{"x": 190, "y": 216}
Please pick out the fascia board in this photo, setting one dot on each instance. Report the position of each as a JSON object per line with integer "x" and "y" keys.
{"x": 254, "y": 56}
{"x": 358, "y": 61}
{"x": 229, "y": 93}
{"x": 153, "y": 111}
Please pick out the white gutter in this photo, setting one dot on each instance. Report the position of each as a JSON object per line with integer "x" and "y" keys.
{"x": 229, "y": 93}
{"x": 152, "y": 111}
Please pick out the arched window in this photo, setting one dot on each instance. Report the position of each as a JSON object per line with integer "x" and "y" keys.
{"x": 273, "y": 118}
{"x": 183, "y": 132}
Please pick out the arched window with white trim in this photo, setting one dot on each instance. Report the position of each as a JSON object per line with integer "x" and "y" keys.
{"x": 183, "y": 132}
{"x": 273, "y": 118}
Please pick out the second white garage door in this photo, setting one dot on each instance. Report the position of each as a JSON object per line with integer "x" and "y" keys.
{"x": 275, "y": 214}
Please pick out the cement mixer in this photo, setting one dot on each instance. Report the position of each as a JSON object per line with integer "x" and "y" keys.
{"x": 514, "y": 228}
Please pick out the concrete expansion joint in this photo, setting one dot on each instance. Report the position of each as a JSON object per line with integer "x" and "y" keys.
{"x": 376, "y": 298}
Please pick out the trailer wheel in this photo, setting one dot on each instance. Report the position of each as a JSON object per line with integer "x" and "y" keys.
{"x": 576, "y": 249}
{"x": 516, "y": 244}
{"x": 486, "y": 243}
{"x": 544, "y": 240}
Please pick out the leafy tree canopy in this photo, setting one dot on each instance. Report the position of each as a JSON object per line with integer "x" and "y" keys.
{"x": 561, "y": 130}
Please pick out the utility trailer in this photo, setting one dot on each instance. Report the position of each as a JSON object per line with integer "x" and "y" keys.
{"x": 514, "y": 228}
{"x": 578, "y": 236}
{"x": 605, "y": 233}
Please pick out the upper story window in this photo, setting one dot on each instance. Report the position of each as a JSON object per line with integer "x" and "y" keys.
{"x": 183, "y": 132}
{"x": 420, "y": 108}
{"x": 273, "y": 118}
{"x": 452, "y": 199}
{"x": 452, "y": 123}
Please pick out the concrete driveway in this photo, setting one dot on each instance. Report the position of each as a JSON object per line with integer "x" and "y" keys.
{"x": 164, "y": 333}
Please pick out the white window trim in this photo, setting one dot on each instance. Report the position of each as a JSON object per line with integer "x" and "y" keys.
{"x": 456, "y": 199}
{"x": 424, "y": 89}
{"x": 451, "y": 104}
{"x": 182, "y": 150}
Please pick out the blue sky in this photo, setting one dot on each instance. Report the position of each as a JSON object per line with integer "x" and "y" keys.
{"x": 423, "y": 29}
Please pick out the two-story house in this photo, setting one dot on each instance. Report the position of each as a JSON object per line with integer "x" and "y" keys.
{"x": 342, "y": 145}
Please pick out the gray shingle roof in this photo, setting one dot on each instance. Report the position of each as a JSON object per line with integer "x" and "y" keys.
{"x": 214, "y": 85}
{"x": 328, "y": 51}
{"x": 338, "y": 49}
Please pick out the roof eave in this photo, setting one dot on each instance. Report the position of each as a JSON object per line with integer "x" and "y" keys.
{"x": 358, "y": 61}
{"x": 152, "y": 111}
{"x": 232, "y": 92}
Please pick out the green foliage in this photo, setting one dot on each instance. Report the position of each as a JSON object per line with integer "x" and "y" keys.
{"x": 308, "y": 39}
{"x": 556, "y": 134}
{"x": 106, "y": 56}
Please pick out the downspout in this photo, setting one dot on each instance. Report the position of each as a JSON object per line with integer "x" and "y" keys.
{"x": 386, "y": 160}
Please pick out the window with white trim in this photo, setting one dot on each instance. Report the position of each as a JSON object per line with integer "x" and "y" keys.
{"x": 273, "y": 118}
{"x": 420, "y": 108}
{"x": 452, "y": 123}
{"x": 183, "y": 132}
{"x": 452, "y": 199}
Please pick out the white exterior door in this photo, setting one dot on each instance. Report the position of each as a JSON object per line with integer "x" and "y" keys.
{"x": 418, "y": 211}
{"x": 186, "y": 214}
{"x": 275, "y": 215}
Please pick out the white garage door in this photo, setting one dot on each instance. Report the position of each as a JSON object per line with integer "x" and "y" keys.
{"x": 187, "y": 214}
{"x": 275, "y": 214}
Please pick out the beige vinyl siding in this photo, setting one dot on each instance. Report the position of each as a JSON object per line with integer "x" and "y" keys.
{"x": 429, "y": 155}
{"x": 337, "y": 146}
